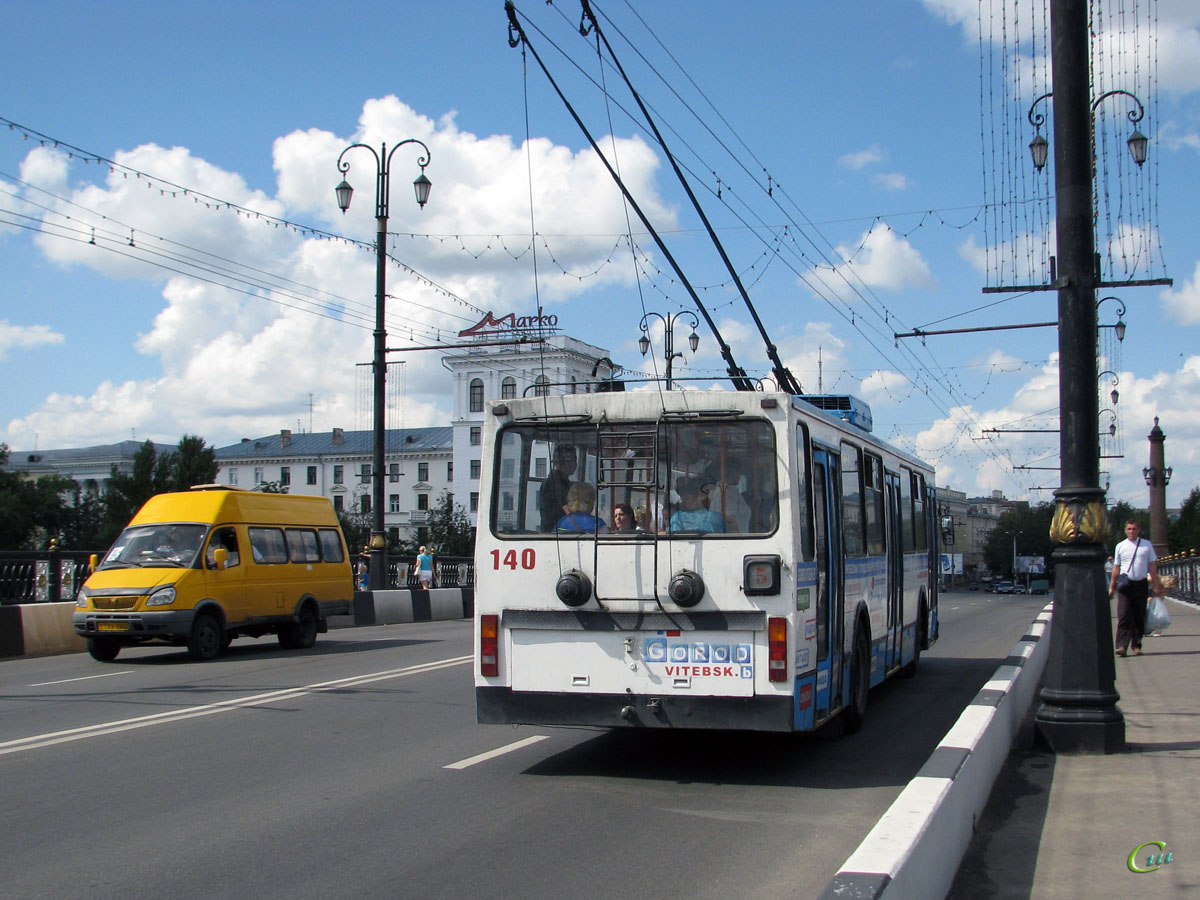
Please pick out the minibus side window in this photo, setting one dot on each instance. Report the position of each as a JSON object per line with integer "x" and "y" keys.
{"x": 267, "y": 546}
{"x": 227, "y": 538}
{"x": 302, "y": 545}
{"x": 331, "y": 546}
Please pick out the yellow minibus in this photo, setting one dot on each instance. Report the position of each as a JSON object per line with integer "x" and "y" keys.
{"x": 198, "y": 568}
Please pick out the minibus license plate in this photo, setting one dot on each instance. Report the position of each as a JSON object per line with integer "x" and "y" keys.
{"x": 112, "y": 626}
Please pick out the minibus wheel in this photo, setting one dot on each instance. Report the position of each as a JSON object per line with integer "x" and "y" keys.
{"x": 302, "y": 634}
{"x": 206, "y": 638}
{"x": 860, "y": 683}
{"x": 103, "y": 649}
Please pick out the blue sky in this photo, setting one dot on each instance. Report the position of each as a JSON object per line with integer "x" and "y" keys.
{"x": 865, "y": 116}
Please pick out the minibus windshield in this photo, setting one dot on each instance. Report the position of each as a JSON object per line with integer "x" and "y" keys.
{"x": 169, "y": 545}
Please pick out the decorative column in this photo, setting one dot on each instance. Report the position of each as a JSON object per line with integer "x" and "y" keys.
{"x": 1158, "y": 476}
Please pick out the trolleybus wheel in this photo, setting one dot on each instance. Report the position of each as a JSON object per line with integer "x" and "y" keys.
{"x": 860, "y": 684}
{"x": 922, "y": 629}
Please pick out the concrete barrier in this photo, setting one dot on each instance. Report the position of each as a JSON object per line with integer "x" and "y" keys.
{"x": 914, "y": 851}
{"x": 398, "y": 607}
{"x": 38, "y": 629}
{"x": 41, "y": 629}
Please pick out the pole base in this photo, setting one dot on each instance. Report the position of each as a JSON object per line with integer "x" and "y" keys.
{"x": 1084, "y": 729}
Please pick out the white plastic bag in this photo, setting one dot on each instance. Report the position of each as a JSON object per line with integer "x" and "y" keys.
{"x": 1157, "y": 617}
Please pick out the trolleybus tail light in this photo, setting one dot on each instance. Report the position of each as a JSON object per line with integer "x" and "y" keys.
{"x": 760, "y": 575}
{"x": 489, "y": 657}
{"x": 777, "y": 649}
{"x": 686, "y": 588}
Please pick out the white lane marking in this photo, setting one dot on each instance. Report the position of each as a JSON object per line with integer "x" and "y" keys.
{"x": 83, "y": 678}
{"x": 37, "y": 741}
{"x": 499, "y": 751}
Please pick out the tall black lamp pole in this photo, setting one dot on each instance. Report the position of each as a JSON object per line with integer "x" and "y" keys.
{"x": 1078, "y": 711}
{"x": 377, "y": 574}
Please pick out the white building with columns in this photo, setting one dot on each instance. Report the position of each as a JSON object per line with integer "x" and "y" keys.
{"x": 495, "y": 359}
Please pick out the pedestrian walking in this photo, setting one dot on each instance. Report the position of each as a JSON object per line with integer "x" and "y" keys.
{"x": 1134, "y": 573}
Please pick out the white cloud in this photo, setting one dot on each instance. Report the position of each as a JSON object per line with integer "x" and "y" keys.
{"x": 274, "y": 315}
{"x": 1183, "y": 304}
{"x": 891, "y": 181}
{"x": 861, "y": 159}
{"x": 25, "y": 337}
{"x": 46, "y": 168}
{"x": 883, "y": 259}
{"x": 1174, "y": 32}
{"x": 970, "y": 460}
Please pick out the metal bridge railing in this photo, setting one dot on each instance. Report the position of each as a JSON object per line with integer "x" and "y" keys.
{"x": 1185, "y": 567}
{"x": 51, "y": 576}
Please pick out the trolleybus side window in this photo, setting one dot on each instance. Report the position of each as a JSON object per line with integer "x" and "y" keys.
{"x": 907, "y": 541}
{"x": 920, "y": 535}
{"x": 852, "y": 497}
{"x": 873, "y": 503}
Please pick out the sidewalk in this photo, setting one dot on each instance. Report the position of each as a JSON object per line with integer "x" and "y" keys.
{"x": 1065, "y": 826}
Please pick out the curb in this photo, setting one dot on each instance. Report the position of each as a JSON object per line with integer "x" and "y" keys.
{"x": 914, "y": 850}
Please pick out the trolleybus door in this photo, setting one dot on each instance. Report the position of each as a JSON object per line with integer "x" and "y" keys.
{"x": 831, "y": 596}
{"x": 895, "y": 570}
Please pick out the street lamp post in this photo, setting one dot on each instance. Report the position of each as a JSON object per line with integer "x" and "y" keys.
{"x": 1078, "y": 711}
{"x": 1120, "y": 326}
{"x": 668, "y": 321}
{"x": 377, "y": 572}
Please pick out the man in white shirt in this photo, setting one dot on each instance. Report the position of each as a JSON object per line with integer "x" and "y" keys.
{"x": 1137, "y": 560}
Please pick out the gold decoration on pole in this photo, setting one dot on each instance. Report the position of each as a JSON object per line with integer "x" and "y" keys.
{"x": 1077, "y": 522}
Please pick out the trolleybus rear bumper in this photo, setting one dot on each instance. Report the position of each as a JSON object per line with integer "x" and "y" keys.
{"x": 502, "y": 705}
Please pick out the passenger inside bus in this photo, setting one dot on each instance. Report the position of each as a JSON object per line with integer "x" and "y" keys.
{"x": 581, "y": 499}
{"x": 552, "y": 498}
{"x": 692, "y": 514}
{"x": 623, "y": 518}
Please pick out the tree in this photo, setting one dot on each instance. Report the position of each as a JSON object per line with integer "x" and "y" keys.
{"x": 1025, "y": 529}
{"x": 356, "y": 529}
{"x": 450, "y": 528}
{"x": 191, "y": 463}
{"x": 86, "y": 527}
{"x": 1184, "y": 532}
{"x": 127, "y": 493}
{"x": 32, "y": 510}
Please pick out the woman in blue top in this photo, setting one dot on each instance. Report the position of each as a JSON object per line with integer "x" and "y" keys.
{"x": 692, "y": 514}
{"x": 423, "y": 568}
{"x": 580, "y": 500}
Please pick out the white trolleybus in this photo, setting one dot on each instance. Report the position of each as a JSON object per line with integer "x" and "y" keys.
{"x": 696, "y": 559}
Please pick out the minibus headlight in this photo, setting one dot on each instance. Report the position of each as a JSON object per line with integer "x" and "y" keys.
{"x": 165, "y": 597}
{"x": 81, "y": 599}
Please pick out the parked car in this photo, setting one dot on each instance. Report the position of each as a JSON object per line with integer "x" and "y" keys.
{"x": 973, "y": 586}
{"x": 1002, "y": 587}
{"x": 1018, "y": 589}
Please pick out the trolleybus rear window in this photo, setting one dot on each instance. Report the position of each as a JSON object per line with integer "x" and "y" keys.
{"x": 693, "y": 479}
